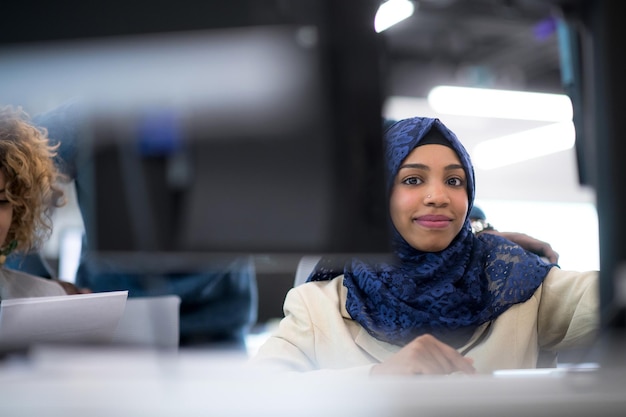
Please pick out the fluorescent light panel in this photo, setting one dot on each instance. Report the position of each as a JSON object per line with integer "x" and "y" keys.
{"x": 507, "y": 104}
{"x": 518, "y": 147}
{"x": 392, "y": 12}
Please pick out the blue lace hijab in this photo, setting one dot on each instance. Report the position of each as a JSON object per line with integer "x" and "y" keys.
{"x": 447, "y": 294}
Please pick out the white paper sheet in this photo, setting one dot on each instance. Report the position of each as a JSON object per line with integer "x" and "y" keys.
{"x": 75, "y": 319}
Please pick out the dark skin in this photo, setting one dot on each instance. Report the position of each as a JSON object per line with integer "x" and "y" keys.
{"x": 72, "y": 289}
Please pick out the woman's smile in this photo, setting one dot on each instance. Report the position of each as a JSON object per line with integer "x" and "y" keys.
{"x": 433, "y": 221}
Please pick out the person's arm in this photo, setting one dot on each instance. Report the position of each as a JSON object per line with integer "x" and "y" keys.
{"x": 304, "y": 345}
{"x": 536, "y": 246}
{"x": 529, "y": 243}
{"x": 72, "y": 289}
{"x": 291, "y": 347}
{"x": 569, "y": 311}
{"x": 315, "y": 338}
{"x": 425, "y": 355}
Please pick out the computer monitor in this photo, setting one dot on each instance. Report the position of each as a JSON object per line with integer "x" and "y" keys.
{"x": 251, "y": 134}
{"x": 598, "y": 94}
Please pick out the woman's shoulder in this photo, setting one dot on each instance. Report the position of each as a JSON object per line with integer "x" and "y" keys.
{"x": 558, "y": 276}
{"x": 321, "y": 292}
{"x": 559, "y": 286}
{"x": 558, "y": 273}
{"x": 330, "y": 286}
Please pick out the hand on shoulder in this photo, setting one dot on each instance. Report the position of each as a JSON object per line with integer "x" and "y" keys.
{"x": 72, "y": 289}
{"x": 536, "y": 246}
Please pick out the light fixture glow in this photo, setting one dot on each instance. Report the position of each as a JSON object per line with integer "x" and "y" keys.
{"x": 392, "y": 12}
{"x": 506, "y": 104}
{"x": 518, "y": 147}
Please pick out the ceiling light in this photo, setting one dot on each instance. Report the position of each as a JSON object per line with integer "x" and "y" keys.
{"x": 391, "y": 12}
{"x": 518, "y": 147}
{"x": 505, "y": 104}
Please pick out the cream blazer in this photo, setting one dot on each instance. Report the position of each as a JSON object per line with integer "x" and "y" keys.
{"x": 318, "y": 333}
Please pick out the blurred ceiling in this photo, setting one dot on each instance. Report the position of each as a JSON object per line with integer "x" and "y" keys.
{"x": 505, "y": 44}
{"x": 494, "y": 43}
{"x": 509, "y": 44}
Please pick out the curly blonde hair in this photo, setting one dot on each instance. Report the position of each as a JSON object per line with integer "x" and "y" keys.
{"x": 33, "y": 182}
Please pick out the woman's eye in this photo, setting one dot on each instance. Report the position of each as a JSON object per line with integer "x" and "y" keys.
{"x": 455, "y": 181}
{"x": 412, "y": 181}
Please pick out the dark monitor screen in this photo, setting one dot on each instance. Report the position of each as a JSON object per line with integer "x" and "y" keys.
{"x": 250, "y": 138}
{"x": 596, "y": 85}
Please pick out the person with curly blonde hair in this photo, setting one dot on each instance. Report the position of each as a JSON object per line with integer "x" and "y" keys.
{"x": 30, "y": 189}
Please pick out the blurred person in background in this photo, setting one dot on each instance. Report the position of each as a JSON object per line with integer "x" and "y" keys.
{"x": 218, "y": 305}
{"x": 30, "y": 188}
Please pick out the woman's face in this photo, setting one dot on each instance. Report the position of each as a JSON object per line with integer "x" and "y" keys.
{"x": 429, "y": 198}
{"x": 6, "y": 211}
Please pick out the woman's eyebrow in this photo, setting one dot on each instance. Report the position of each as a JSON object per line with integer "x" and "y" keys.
{"x": 450, "y": 167}
{"x": 415, "y": 166}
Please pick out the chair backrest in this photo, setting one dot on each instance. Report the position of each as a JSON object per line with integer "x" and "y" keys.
{"x": 304, "y": 269}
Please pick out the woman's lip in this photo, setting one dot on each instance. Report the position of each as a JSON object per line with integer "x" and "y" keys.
{"x": 433, "y": 218}
{"x": 433, "y": 221}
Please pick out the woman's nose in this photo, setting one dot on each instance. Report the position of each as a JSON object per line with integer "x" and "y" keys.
{"x": 436, "y": 196}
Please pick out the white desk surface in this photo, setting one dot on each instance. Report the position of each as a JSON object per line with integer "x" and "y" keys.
{"x": 69, "y": 382}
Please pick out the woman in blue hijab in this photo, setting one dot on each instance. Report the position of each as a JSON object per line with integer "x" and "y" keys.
{"x": 445, "y": 300}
